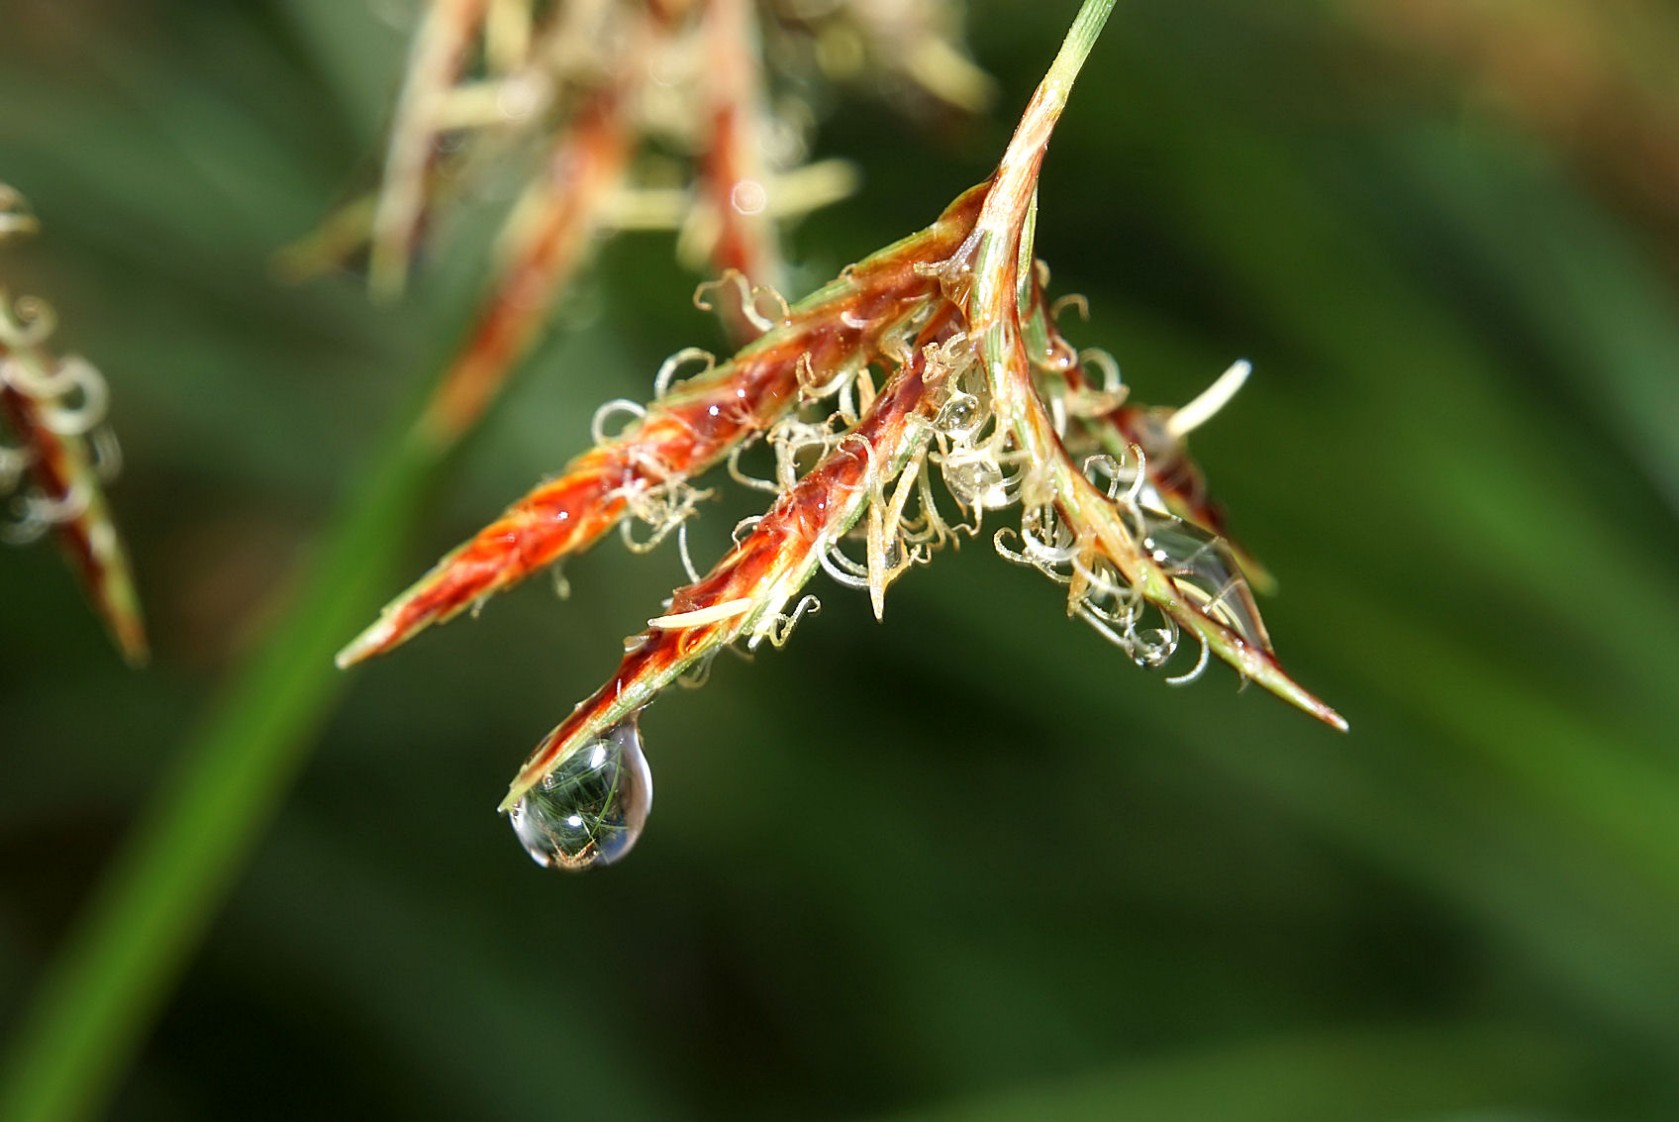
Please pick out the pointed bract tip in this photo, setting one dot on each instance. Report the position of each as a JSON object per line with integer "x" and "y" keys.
{"x": 1331, "y": 718}
{"x": 364, "y": 646}
{"x": 1270, "y": 675}
{"x": 1318, "y": 709}
{"x": 1309, "y": 702}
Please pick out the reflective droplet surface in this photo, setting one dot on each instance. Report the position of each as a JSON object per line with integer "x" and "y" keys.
{"x": 961, "y": 415}
{"x": 977, "y": 483}
{"x": 591, "y": 809}
{"x": 1203, "y": 569}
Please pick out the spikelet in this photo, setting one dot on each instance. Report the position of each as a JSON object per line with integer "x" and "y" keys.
{"x": 55, "y": 407}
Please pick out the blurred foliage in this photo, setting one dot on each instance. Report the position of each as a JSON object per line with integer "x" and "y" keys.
{"x": 969, "y": 862}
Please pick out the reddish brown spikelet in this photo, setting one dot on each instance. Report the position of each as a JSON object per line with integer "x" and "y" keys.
{"x": 680, "y": 435}
{"x": 763, "y": 571}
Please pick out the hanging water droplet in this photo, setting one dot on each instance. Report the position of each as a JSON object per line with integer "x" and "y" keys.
{"x": 1203, "y": 569}
{"x": 591, "y": 808}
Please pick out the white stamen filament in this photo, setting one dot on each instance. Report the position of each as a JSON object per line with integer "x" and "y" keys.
{"x": 1215, "y": 397}
{"x": 728, "y": 609}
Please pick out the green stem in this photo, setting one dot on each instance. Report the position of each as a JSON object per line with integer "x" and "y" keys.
{"x": 1075, "y": 48}
{"x": 1002, "y": 223}
{"x": 149, "y": 913}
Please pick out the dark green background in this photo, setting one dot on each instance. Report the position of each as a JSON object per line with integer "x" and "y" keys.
{"x": 969, "y": 862}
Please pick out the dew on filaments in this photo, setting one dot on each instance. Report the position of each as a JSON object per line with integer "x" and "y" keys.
{"x": 961, "y": 415}
{"x": 590, "y": 809}
{"x": 1203, "y": 569}
{"x": 1058, "y": 356}
{"x": 749, "y": 197}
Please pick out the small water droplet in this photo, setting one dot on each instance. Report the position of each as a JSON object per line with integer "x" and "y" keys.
{"x": 976, "y": 483}
{"x": 749, "y": 197}
{"x": 1058, "y": 357}
{"x": 961, "y": 415}
{"x": 590, "y": 809}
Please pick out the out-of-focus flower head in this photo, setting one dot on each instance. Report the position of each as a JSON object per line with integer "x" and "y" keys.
{"x": 54, "y": 407}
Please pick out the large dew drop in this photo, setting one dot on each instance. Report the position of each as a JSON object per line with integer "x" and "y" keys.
{"x": 590, "y": 810}
{"x": 1202, "y": 568}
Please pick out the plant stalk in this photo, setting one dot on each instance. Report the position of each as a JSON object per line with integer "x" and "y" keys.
{"x": 149, "y": 913}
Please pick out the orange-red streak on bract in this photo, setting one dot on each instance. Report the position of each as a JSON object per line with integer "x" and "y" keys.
{"x": 683, "y": 434}
{"x": 802, "y": 520}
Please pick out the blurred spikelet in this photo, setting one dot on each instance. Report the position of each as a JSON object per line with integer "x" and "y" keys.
{"x": 573, "y": 93}
{"x": 55, "y": 408}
